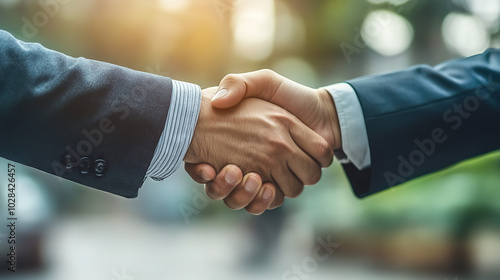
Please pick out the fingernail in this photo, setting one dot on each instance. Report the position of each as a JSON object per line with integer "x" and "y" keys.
{"x": 204, "y": 175}
{"x": 231, "y": 177}
{"x": 251, "y": 185}
{"x": 220, "y": 94}
{"x": 267, "y": 194}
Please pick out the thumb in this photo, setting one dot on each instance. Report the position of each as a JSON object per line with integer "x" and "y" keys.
{"x": 234, "y": 87}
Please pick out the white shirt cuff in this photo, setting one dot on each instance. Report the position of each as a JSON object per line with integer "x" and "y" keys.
{"x": 352, "y": 125}
{"x": 179, "y": 128}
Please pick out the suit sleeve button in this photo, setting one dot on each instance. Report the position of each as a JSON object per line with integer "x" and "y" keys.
{"x": 69, "y": 161}
{"x": 100, "y": 167}
{"x": 84, "y": 165}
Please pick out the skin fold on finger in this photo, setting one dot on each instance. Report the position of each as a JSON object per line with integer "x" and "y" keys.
{"x": 200, "y": 173}
{"x": 307, "y": 170}
{"x": 286, "y": 182}
{"x": 224, "y": 183}
{"x": 262, "y": 200}
{"x": 311, "y": 143}
{"x": 245, "y": 192}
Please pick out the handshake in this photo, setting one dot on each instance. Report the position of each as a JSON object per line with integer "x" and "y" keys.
{"x": 275, "y": 131}
{"x": 259, "y": 137}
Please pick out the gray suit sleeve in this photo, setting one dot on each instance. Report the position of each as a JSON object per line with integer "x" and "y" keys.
{"x": 90, "y": 122}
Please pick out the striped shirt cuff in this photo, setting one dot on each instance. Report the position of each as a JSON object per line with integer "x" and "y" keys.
{"x": 179, "y": 129}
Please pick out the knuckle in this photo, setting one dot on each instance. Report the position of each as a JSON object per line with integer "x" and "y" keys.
{"x": 215, "y": 191}
{"x": 287, "y": 148}
{"x": 240, "y": 200}
{"x": 296, "y": 191}
{"x": 264, "y": 162}
{"x": 293, "y": 189}
{"x": 314, "y": 176}
{"x": 267, "y": 163}
{"x": 233, "y": 203}
{"x": 282, "y": 119}
{"x": 267, "y": 72}
{"x": 279, "y": 145}
{"x": 325, "y": 152}
{"x": 231, "y": 78}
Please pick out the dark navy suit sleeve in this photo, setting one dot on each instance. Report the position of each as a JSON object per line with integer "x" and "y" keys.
{"x": 91, "y": 122}
{"x": 424, "y": 119}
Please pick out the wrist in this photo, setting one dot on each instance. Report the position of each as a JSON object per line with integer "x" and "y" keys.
{"x": 331, "y": 118}
{"x": 193, "y": 154}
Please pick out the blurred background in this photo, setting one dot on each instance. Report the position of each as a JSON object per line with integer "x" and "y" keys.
{"x": 443, "y": 226}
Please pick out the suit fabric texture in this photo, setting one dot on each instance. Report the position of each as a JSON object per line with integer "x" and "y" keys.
{"x": 90, "y": 122}
{"x": 423, "y": 119}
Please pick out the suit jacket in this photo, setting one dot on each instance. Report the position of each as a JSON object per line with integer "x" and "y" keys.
{"x": 87, "y": 121}
{"x": 424, "y": 119}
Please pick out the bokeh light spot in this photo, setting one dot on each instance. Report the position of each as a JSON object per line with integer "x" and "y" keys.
{"x": 465, "y": 34}
{"x": 254, "y": 28}
{"x": 386, "y": 32}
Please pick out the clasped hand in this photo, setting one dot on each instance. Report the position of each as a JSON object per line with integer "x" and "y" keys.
{"x": 277, "y": 132}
